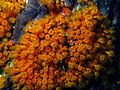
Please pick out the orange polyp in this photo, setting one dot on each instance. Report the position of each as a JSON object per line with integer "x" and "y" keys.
{"x": 3, "y": 15}
{"x": 1, "y": 20}
{"x": 72, "y": 49}
{"x": 22, "y": 2}
{"x": 1, "y": 28}
{"x": 1, "y": 54}
{"x": 70, "y": 34}
{"x": 9, "y": 43}
{"x": 51, "y": 32}
{"x": 7, "y": 27}
{"x": 24, "y": 54}
{"x": 101, "y": 40}
{"x": 77, "y": 31}
{"x": 22, "y": 81}
{"x": 8, "y": 34}
{"x": 41, "y": 35}
{"x": 76, "y": 54}
{"x": 4, "y": 22}
{"x": 33, "y": 37}
{"x": 12, "y": 20}
{"x": 71, "y": 42}
{"x": 86, "y": 40}
{"x": 24, "y": 41}
{"x": 30, "y": 56}
{"x": 2, "y": 31}
{"x": 82, "y": 57}
{"x": 34, "y": 80}
{"x": 47, "y": 36}
{"x": 96, "y": 45}
{"x": 59, "y": 56}
{"x": 45, "y": 30}
{"x": 45, "y": 76}
{"x": 48, "y": 49}
{"x": 26, "y": 36}
{"x": 54, "y": 44}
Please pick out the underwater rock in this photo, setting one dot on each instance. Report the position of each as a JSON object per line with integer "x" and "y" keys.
{"x": 117, "y": 13}
{"x": 104, "y": 6}
{"x": 41, "y": 13}
{"x": 8, "y": 84}
{"x": 30, "y": 11}
{"x": 69, "y": 3}
{"x": 111, "y": 9}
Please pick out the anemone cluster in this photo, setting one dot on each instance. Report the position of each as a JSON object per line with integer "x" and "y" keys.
{"x": 8, "y": 11}
{"x": 52, "y": 4}
{"x": 12, "y": 7}
{"x": 64, "y": 48}
{"x": 5, "y": 35}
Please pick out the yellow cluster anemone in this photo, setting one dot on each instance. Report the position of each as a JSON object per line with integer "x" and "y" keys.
{"x": 6, "y": 45}
{"x": 54, "y": 6}
{"x": 6, "y": 48}
{"x": 54, "y": 51}
{"x": 4, "y": 25}
{"x": 8, "y": 11}
{"x": 12, "y": 7}
{"x": 2, "y": 81}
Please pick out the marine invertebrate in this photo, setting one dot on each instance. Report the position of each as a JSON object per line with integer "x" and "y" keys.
{"x": 32, "y": 9}
{"x": 55, "y": 51}
{"x": 12, "y": 8}
{"x": 5, "y": 36}
{"x": 7, "y": 20}
{"x": 39, "y": 11}
{"x": 2, "y": 81}
{"x": 52, "y": 4}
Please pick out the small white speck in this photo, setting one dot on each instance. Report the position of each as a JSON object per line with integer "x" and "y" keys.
{"x": 114, "y": 21}
{"x": 63, "y": 13}
{"x": 73, "y": 10}
{"x": 26, "y": 1}
{"x": 11, "y": 64}
{"x": 106, "y": 3}
{"x": 108, "y": 8}
{"x": 0, "y": 75}
{"x": 29, "y": 27}
{"x": 66, "y": 34}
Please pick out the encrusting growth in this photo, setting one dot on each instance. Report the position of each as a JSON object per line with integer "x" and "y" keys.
{"x": 57, "y": 51}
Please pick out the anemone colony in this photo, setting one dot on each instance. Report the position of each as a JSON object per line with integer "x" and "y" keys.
{"x": 65, "y": 47}
{"x": 8, "y": 12}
